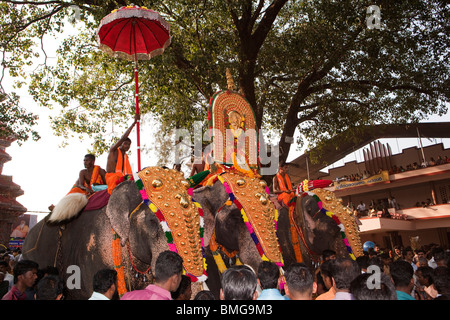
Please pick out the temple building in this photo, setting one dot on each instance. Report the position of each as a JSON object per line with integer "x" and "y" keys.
{"x": 405, "y": 196}
{"x": 10, "y": 209}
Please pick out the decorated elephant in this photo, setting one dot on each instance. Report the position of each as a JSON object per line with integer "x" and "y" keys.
{"x": 144, "y": 217}
{"x": 319, "y": 222}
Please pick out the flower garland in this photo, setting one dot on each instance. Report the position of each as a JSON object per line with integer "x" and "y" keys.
{"x": 215, "y": 247}
{"x": 336, "y": 219}
{"x": 247, "y": 222}
{"x": 118, "y": 266}
{"x": 168, "y": 231}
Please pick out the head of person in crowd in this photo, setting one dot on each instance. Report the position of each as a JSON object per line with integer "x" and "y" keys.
{"x": 268, "y": 275}
{"x": 25, "y": 273}
{"x": 50, "y": 287}
{"x": 441, "y": 282}
{"x": 105, "y": 282}
{"x": 425, "y": 276}
{"x": 328, "y": 254}
{"x": 300, "y": 283}
{"x": 184, "y": 290}
{"x": 204, "y": 295}
{"x": 363, "y": 262}
{"x": 402, "y": 275}
{"x": 343, "y": 271}
{"x": 368, "y": 286}
{"x": 239, "y": 283}
{"x": 168, "y": 270}
{"x": 325, "y": 272}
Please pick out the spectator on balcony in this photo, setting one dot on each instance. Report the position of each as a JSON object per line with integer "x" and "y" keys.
{"x": 393, "y": 203}
{"x": 361, "y": 208}
{"x": 439, "y": 160}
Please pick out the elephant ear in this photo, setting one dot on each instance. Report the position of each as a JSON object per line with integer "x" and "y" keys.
{"x": 124, "y": 199}
{"x": 305, "y": 209}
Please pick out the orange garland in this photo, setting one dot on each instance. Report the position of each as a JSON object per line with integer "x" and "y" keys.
{"x": 117, "y": 260}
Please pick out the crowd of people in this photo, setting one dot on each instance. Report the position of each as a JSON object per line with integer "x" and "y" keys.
{"x": 395, "y": 169}
{"x": 401, "y": 274}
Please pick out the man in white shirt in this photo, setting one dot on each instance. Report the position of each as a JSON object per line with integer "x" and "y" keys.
{"x": 104, "y": 284}
{"x": 361, "y": 208}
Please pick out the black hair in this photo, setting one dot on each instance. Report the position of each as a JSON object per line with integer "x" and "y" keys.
{"x": 184, "y": 285}
{"x": 328, "y": 253}
{"x": 441, "y": 280}
{"x": 204, "y": 295}
{"x": 325, "y": 268}
{"x": 401, "y": 273}
{"x": 299, "y": 278}
{"x": 90, "y": 156}
{"x": 343, "y": 271}
{"x": 168, "y": 263}
{"x": 384, "y": 290}
{"x": 268, "y": 275}
{"x": 427, "y": 272}
{"x": 49, "y": 288}
{"x": 239, "y": 283}
{"x": 23, "y": 266}
{"x": 104, "y": 279}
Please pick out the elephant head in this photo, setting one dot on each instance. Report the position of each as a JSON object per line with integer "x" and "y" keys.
{"x": 154, "y": 214}
{"x": 244, "y": 217}
{"x": 322, "y": 222}
{"x": 135, "y": 223}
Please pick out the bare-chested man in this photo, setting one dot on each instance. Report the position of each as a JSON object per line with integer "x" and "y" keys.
{"x": 90, "y": 176}
{"x": 118, "y": 164}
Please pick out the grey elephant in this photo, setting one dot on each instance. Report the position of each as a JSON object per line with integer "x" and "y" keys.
{"x": 84, "y": 245}
{"x": 308, "y": 228}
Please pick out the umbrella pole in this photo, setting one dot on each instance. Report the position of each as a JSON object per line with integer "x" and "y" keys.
{"x": 138, "y": 138}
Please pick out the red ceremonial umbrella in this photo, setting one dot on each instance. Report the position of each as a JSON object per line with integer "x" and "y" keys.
{"x": 134, "y": 33}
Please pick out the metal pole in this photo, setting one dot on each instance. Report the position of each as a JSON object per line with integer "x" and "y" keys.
{"x": 307, "y": 166}
{"x": 421, "y": 146}
{"x": 136, "y": 85}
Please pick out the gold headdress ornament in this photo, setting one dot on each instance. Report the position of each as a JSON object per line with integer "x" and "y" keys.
{"x": 230, "y": 81}
{"x": 229, "y": 112}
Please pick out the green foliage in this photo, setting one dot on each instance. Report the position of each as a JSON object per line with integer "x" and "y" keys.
{"x": 311, "y": 65}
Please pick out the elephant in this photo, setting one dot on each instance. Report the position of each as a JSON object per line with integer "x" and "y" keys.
{"x": 230, "y": 231}
{"x": 84, "y": 245}
{"x": 314, "y": 230}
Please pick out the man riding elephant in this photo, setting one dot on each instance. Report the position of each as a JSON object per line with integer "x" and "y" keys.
{"x": 118, "y": 164}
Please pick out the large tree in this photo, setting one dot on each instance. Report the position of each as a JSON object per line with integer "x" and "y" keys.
{"x": 317, "y": 66}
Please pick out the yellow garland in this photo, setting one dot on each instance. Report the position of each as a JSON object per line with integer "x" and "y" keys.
{"x": 219, "y": 262}
{"x": 305, "y": 185}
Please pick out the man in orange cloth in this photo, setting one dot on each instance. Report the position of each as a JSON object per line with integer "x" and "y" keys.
{"x": 118, "y": 164}
{"x": 282, "y": 185}
{"x": 89, "y": 177}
